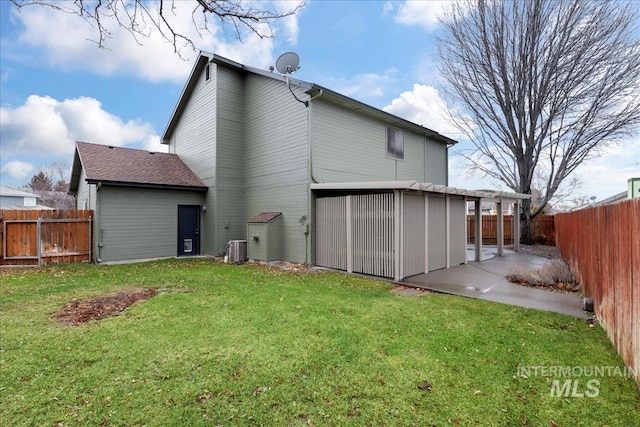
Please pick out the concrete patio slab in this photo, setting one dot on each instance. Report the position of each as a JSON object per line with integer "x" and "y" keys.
{"x": 486, "y": 280}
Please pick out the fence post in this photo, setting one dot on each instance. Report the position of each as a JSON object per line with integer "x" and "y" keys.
{"x": 39, "y": 241}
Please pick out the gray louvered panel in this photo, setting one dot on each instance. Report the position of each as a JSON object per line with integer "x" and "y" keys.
{"x": 437, "y": 233}
{"x": 413, "y": 252}
{"x": 458, "y": 238}
{"x": 373, "y": 220}
{"x": 331, "y": 232}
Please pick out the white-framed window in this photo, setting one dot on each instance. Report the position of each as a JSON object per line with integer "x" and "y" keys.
{"x": 395, "y": 143}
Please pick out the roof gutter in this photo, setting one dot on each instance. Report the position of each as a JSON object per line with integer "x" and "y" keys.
{"x": 390, "y": 118}
{"x": 378, "y": 185}
{"x": 100, "y": 182}
{"x": 419, "y": 186}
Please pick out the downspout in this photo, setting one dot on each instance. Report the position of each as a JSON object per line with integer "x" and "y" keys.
{"x": 448, "y": 146}
{"x": 311, "y": 179}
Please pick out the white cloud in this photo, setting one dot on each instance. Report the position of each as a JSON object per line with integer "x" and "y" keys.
{"x": 17, "y": 170}
{"x": 419, "y": 13}
{"x": 154, "y": 143}
{"x": 607, "y": 174}
{"x": 365, "y": 87}
{"x": 44, "y": 126}
{"x": 290, "y": 23}
{"x": 424, "y": 106}
{"x": 67, "y": 43}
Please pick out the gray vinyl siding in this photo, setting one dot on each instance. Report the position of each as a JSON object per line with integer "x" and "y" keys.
{"x": 229, "y": 202}
{"x": 276, "y": 160}
{"x": 436, "y": 166}
{"x": 348, "y": 146}
{"x": 437, "y": 233}
{"x": 351, "y": 146}
{"x": 458, "y": 230}
{"x": 139, "y": 223}
{"x": 412, "y": 168}
{"x": 86, "y": 192}
{"x": 194, "y": 140}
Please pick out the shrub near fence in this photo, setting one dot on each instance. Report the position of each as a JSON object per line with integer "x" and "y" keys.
{"x": 602, "y": 246}
{"x": 542, "y": 229}
{"x": 40, "y": 237}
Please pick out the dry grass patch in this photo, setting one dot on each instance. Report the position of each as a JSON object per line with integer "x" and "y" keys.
{"x": 555, "y": 276}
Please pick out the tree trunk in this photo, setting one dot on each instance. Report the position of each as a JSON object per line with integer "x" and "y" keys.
{"x": 526, "y": 237}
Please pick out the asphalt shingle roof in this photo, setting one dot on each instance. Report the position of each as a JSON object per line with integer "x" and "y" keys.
{"x": 264, "y": 217}
{"x": 126, "y": 165}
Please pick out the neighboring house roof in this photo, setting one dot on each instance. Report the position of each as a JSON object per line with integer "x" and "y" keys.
{"x": 13, "y": 192}
{"x": 613, "y": 199}
{"x": 29, "y": 208}
{"x": 131, "y": 167}
{"x": 311, "y": 89}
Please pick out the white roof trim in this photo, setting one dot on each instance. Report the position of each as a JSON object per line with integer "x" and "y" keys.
{"x": 420, "y": 186}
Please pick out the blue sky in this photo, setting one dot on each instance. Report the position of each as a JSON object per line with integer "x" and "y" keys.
{"x": 57, "y": 87}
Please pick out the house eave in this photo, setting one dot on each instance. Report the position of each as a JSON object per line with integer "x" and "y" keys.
{"x": 311, "y": 89}
{"x": 389, "y": 118}
{"x": 146, "y": 185}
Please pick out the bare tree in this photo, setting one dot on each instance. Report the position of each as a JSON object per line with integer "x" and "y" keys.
{"x": 547, "y": 83}
{"x": 141, "y": 17}
{"x": 51, "y": 183}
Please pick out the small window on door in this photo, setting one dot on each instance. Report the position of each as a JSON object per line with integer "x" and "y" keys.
{"x": 188, "y": 245}
{"x": 395, "y": 143}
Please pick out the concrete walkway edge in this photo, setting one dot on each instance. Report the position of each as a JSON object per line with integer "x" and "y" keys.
{"x": 485, "y": 280}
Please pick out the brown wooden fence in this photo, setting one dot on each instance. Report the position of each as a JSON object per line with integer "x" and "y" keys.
{"x": 542, "y": 229}
{"x": 41, "y": 237}
{"x": 602, "y": 245}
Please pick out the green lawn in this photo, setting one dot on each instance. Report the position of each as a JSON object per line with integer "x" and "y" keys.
{"x": 247, "y": 345}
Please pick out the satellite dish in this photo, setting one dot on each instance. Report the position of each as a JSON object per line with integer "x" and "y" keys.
{"x": 288, "y": 63}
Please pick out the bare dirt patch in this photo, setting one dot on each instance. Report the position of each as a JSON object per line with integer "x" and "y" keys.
{"x": 81, "y": 311}
{"x": 409, "y": 291}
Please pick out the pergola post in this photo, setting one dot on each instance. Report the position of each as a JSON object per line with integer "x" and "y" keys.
{"x": 397, "y": 240}
{"x": 500, "y": 227}
{"x": 448, "y": 229}
{"x": 478, "y": 228}
{"x": 426, "y": 233}
{"x": 349, "y": 236}
{"x": 516, "y": 227}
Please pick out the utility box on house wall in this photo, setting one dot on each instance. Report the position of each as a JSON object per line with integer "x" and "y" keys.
{"x": 264, "y": 237}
